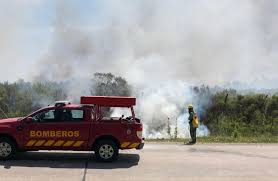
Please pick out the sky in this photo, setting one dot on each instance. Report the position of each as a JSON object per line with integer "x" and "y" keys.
{"x": 25, "y": 34}
{"x": 211, "y": 42}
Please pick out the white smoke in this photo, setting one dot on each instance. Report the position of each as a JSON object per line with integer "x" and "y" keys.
{"x": 162, "y": 47}
{"x": 160, "y": 104}
{"x": 15, "y": 21}
{"x": 195, "y": 41}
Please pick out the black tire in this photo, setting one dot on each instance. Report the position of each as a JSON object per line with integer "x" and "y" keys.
{"x": 106, "y": 151}
{"x": 7, "y": 148}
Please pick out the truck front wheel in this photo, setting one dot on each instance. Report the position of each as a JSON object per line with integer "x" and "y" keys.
{"x": 106, "y": 151}
{"x": 7, "y": 148}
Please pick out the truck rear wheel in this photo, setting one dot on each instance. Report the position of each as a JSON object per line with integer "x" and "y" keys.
{"x": 106, "y": 151}
{"x": 7, "y": 149}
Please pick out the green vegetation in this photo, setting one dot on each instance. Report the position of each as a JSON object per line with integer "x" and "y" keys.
{"x": 106, "y": 84}
{"x": 21, "y": 98}
{"x": 221, "y": 139}
{"x": 230, "y": 114}
{"x": 234, "y": 117}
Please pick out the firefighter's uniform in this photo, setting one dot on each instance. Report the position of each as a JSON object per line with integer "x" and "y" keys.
{"x": 192, "y": 128}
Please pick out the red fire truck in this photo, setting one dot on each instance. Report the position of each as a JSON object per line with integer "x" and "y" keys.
{"x": 87, "y": 126}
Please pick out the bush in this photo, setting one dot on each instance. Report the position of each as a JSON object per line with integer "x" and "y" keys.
{"x": 242, "y": 115}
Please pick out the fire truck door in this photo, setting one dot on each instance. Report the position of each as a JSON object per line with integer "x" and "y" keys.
{"x": 65, "y": 129}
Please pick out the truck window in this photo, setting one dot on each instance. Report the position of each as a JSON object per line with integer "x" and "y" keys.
{"x": 45, "y": 116}
{"x": 110, "y": 114}
{"x": 70, "y": 115}
{"x": 60, "y": 115}
{"x": 77, "y": 115}
{"x": 118, "y": 112}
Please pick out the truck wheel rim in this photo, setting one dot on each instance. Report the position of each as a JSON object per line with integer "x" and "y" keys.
{"x": 106, "y": 151}
{"x": 5, "y": 149}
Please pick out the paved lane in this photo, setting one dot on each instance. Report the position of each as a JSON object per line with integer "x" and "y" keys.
{"x": 156, "y": 162}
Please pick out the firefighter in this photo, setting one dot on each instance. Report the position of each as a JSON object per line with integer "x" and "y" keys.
{"x": 193, "y": 128}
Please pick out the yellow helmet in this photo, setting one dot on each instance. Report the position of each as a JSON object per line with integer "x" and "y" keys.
{"x": 190, "y": 106}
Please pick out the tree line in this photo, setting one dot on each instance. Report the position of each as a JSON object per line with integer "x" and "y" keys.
{"x": 224, "y": 112}
{"x": 21, "y": 98}
{"x": 230, "y": 113}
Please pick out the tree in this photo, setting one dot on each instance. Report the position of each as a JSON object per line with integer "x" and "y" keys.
{"x": 107, "y": 84}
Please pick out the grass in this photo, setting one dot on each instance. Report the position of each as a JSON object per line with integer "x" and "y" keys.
{"x": 222, "y": 139}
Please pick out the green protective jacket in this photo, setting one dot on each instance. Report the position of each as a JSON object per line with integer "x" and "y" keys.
{"x": 190, "y": 118}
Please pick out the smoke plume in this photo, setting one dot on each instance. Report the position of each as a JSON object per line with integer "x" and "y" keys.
{"x": 163, "y": 47}
{"x": 197, "y": 42}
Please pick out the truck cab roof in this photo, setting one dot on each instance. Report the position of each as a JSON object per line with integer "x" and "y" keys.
{"x": 105, "y": 101}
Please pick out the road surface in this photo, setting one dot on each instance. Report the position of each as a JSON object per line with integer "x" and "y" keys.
{"x": 157, "y": 162}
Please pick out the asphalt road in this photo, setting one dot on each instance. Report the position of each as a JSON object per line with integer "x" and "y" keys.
{"x": 157, "y": 162}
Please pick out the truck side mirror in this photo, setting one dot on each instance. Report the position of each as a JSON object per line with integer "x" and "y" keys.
{"x": 29, "y": 120}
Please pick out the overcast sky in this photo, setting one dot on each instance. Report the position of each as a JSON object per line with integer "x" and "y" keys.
{"x": 196, "y": 42}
